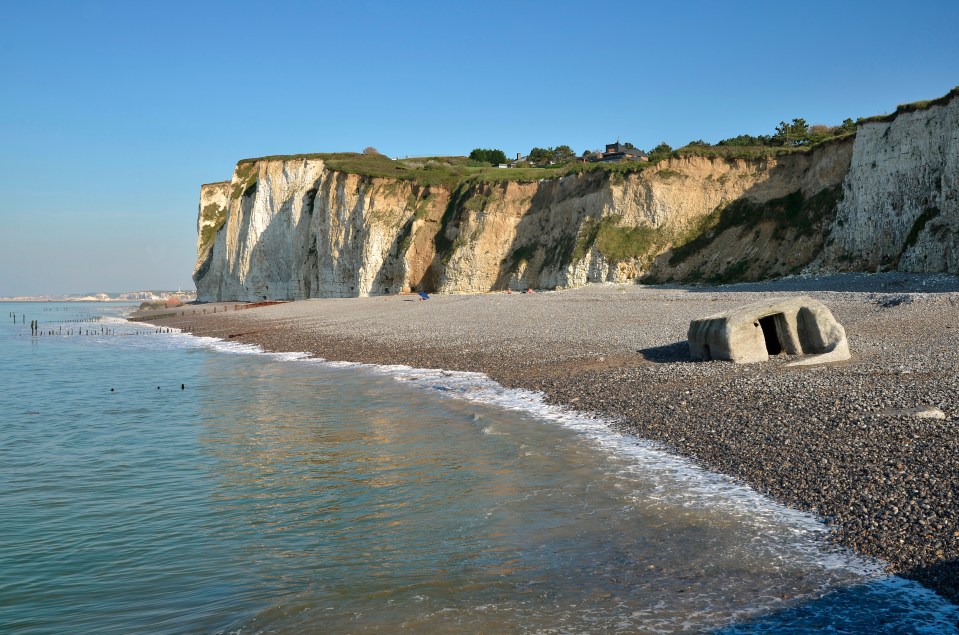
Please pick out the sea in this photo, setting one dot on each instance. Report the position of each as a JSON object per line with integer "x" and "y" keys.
{"x": 156, "y": 482}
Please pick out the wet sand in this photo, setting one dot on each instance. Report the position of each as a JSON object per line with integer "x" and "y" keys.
{"x": 842, "y": 440}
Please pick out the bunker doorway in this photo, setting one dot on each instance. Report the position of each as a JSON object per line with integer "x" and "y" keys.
{"x": 771, "y": 334}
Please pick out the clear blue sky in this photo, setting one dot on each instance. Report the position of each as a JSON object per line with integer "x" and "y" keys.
{"x": 114, "y": 113}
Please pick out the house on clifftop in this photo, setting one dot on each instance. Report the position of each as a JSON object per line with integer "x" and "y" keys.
{"x": 617, "y": 152}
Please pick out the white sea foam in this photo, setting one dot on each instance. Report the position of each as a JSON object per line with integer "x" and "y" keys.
{"x": 173, "y": 338}
{"x": 700, "y": 487}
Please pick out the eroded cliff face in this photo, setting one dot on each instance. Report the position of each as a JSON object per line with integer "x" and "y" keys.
{"x": 773, "y": 228}
{"x": 900, "y": 207}
{"x": 597, "y": 227}
{"x": 293, "y": 228}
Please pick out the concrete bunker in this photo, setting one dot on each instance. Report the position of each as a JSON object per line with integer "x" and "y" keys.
{"x": 755, "y": 332}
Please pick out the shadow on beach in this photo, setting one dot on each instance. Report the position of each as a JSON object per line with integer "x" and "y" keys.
{"x": 863, "y": 608}
{"x": 668, "y": 353}
{"x": 890, "y": 282}
{"x": 942, "y": 576}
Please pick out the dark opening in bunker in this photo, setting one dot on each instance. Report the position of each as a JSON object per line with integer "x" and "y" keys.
{"x": 768, "y": 325}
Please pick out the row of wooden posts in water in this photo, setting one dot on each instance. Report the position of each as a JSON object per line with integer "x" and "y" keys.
{"x": 36, "y": 331}
{"x": 23, "y": 319}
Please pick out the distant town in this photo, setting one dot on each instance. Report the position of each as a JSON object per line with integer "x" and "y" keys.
{"x": 126, "y": 296}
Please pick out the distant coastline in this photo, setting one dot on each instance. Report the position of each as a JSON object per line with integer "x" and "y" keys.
{"x": 125, "y": 296}
{"x": 33, "y": 299}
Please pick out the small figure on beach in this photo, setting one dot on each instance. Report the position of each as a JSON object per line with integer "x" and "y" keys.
{"x": 530, "y": 290}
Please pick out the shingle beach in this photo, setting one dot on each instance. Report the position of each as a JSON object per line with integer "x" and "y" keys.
{"x": 870, "y": 445}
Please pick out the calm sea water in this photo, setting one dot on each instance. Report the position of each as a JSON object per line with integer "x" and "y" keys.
{"x": 276, "y": 494}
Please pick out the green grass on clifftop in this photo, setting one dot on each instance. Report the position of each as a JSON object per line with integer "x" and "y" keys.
{"x": 448, "y": 172}
{"x": 426, "y": 171}
{"x": 915, "y": 106}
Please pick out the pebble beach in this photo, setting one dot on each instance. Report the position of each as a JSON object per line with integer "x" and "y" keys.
{"x": 869, "y": 445}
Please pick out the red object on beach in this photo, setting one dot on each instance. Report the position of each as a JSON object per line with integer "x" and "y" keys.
{"x": 173, "y": 302}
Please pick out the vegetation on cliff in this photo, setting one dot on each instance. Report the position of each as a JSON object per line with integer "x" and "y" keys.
{"x": 912, "y": 107}
{"x": 244, "y": 180}
{"x": 618, "y": 243}
{"x": 212, "y": 219}
{"x": 425, "y": 171}
{"x": 488, "y": 155}
{"x": 450, "y": 172}
{"x": 796, "y": 212}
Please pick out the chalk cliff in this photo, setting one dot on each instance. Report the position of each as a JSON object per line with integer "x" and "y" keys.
{"x": 295, "y": 229}
{"x": 900, "y": 205}
{"x": 287, "y": 228}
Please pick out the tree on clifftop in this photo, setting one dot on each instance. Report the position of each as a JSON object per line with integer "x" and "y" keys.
{"x": 744, "y": 140}
{"x": 540, "y": 156}
{"x": 661, "y": 151}
{"x": 545, "y": 156}
{"x": 489, "y": 155}
{"x": 792, "y": 134}
{"x": 562, "y": 154}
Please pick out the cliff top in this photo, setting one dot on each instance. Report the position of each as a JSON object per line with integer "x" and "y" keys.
{"x": 426, "y": 171}
{"x": 913, "y": 107}
{"x": 450, "y": 171}
{"x": 437, "y": 170}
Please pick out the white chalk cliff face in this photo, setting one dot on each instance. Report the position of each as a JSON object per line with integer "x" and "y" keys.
{"x": 900, "y": 207}
{"x": 293, "y": 228}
